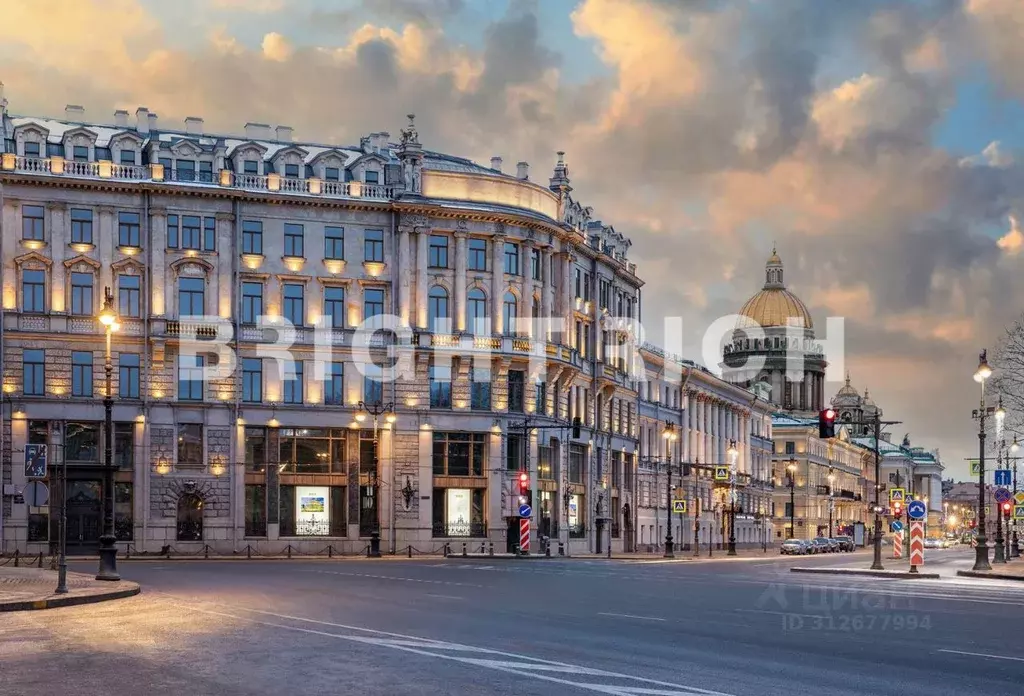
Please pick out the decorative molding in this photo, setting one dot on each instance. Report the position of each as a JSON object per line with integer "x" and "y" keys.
{"x": 56, "y": 205}
{"x": 192, "y": 266}
{"x": 415, "y": 220}
{"x": 81, "y": 260}
{"x": 128, "y": 266}
{"x": 290, "y": 278}
{"x": 32, "y": 261}
{"x": 462, "y": 224}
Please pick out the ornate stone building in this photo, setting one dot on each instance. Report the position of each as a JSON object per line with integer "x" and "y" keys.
{"x": 267, "y": 249}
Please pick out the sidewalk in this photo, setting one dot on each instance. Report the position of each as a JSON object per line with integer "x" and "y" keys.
{"x": 1014, "y": 570}
{"x": 33, "y": 588}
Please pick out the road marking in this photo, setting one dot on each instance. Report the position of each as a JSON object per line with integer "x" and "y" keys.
{"x": 393, "y": 577}
{"x": 992, "y": 657}
{"x": 521, "y": 665}
{"x": 443, "y": 596}
{"x": 782, "y": 613}
{"x": 630, "y": 616}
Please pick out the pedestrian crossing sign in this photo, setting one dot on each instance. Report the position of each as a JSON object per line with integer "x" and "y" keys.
{"x": 1018, "y": 512}
{"x": 721, "y": 473}
{"x": 680, "y": 506}
{"x": 897, "y": 494}
{"x": 975, "y": 467}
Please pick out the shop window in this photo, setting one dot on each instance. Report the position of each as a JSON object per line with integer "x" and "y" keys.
{"x": 459, "y": 512}
{"x": 190, "y": 518}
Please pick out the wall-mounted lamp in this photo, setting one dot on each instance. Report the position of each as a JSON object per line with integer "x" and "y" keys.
{"x": 163, "y": 467}
{"x": 18, "y": 411}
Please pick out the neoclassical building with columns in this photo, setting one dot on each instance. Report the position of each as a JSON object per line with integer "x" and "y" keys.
{"x": 479, "y": 312}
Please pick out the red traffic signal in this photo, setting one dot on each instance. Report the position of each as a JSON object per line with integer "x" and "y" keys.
{"x": 1006, "y": 507}
{"x": 827, "y": 423}
{"x": 524, "y": 482}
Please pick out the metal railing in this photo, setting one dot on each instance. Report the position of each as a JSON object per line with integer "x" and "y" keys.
{"x": 459, "y": 529}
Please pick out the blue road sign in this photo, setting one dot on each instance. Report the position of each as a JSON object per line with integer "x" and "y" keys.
{"x": 1003, "y": 496}
{"x": 525, "y": 510}
{"x": 896, "y": 526}
{"x": 35, "y": 461}
{"x": 1003, "y": 478}
{"x": 917, "y": 510}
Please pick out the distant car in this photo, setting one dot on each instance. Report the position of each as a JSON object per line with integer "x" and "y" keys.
{"x": 834, "y": 545}
{"x": 821, "y": 545}
{"x": 933, "y": 543}
{"x": 794, "y": 547}
{"x": 845, "y": 543}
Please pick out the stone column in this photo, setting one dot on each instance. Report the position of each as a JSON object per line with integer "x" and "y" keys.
{"x": 404, "y": 274}
{"x": 547, "y": 291}
{"x": 685, "y": 427}
{"x": 459, "y": 317}
{"x": 106, "y": 240}
{"x": 422, "y": 238}
{"x": 158, "y": 270}
{"x": 59, "y": 236}
{"x": 497, "y": 282}
{"x": 9, "y": 277}
{"x": 225, "y": 281}
{"x": 566, "y": 295}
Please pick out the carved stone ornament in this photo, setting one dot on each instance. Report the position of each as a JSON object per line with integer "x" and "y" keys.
{"x": 462, "y": 224}
{"x": 416, "y": 220}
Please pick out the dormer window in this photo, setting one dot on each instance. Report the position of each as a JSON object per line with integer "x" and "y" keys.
{"x": 80, "y": 153}
{"x": 291, "y": 171}
{"x": 32, "y": 150}
{"x": 372, "y": 177}
{"x": 332, "y": 174}
{"x": 185, "y": 170}
{"x": 128, "y": 157}
{"x": 250, "y": 167}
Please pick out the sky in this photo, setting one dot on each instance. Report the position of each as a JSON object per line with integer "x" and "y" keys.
{"x": 878, "y": 143}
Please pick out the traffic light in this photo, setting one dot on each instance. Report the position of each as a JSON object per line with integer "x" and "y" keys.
{"x": 827, "y": 423}
{"x": 525, "y": 493}
{"x": 897, "y": 509}
{"x": 576, "y": 422}
{"x": 1006, "y": 508}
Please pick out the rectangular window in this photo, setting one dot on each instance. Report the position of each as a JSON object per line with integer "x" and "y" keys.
{"x": 460, "y": 454}
{"x": 185, "y": 170}
{"x": 477, "y": 254}
{"x": 535, "y": 265}
{"x": 190, "y": 377}
{"x": 210, "y": 234}
{"x": 80, "y": 153}
{"x": 334, "y": 384}
{"x": 511, "y": 258}
{"x": 103, "y": 154}
{"x": 372, "y": 177}
{"x": 312, "y": 450}
{"x": 332, "y": 174}
{"x": 124, "y": 447}
{"x": 128, "y": 375}
{"x": 790, "y": 447}
{"x": 191, "y": 230}
{"x": 578, "y": 278}
{"x": 255, "y": 449}
{"x": 577, "y": 463}
{"x": 293, "y": 391}
{"x": 33, "y": 291}
{"x": 206, "y": 172}
{"x": 129, "y": 295}
{"x": 546, "y": 463}
{"x": 127, "y": 157}
{"x": 373, "y": 390}
{"x": 81, "y": 373}
{"x": 250, "y": 167}
{"x": 252, "y": 237}
{"x": 168, "y": 165}
{"x": 293, "y": 239}
{"x": 252, "y": 302}
{"x": 516, "y": 385}
{"x": 373, "y": 302}
{"x": 81, "y": 294}
{"x": 252, "y": 380}
{"x": 81, "y": 226}
{"x": 173, "y": 232}
{"x": 33, "y": 372}
{"x": 190, "y": 444}
{"x": 128, "y": 230}
{"x": 438, "y": 251}
{"x": 373, "y": 246}
{"x": 514, "y": 451}
{"x": 32, "y": 222}
{"x": 586, "y": 287}
{"x": 255, "y": 510}
{"x": 334, "y": 306}
{"x": 334, "y": 243}
{"x": 480, "y": 390}
{"x": 82, "y": 442}
{"x": 291, "y": 171}
{"x": 458, "y": 512}
{"x": 294, "y": 303}
{"x": 32, "y": 150}
{"x": 541, "y": 397}
{"x": 191, "y": 297}
{"x": 440, "y": 386}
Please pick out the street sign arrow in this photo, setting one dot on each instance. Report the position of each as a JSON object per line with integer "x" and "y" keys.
{"x": 525, "y": 510}
{"x": 897, "y": 526}
{"x": 1003, "y": 477}
{"x": 916, "y": 510}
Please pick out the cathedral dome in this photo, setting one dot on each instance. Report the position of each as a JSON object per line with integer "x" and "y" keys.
{"x": 774, "y": 304}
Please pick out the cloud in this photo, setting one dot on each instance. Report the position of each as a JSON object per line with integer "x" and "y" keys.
{"x": 276, "y": 47}
{"x": 1013, "y": 241}
{"x": 992, "y": 156}
{"x": 253, "y": 6}
{"x": 1000, "y": 27}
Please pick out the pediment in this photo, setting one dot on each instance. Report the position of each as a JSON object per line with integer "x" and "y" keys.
{"x": 128, "y": 266}
{"x": 33, "y": 260}
{"x": 79, "y": 133}
{"x": 367, "y": 157}
{"x": 186, "y": 148}
{"x": 190, "y": 266}
{"x": 291, "y": 150}
{"x": 31, "y": 128}
{"x": 328, "y": 155}
{"x": 127, "y": 135}
{"x": 250, "y": 145}
{"x": 81, "y": 263}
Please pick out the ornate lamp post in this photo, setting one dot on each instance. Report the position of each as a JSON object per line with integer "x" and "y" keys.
{"x": 732, "y": 453}
{"x": 670, "y": 436}
{"x": 981, "y": 552}
{"x": 1014, "y": 547}
{"x": 1000, "y": 548}
{"x": 831, "y": 501}
{"x": 791, "y": 469}
{"x": 376, "y": 410}
{"x": 108, "y": 548}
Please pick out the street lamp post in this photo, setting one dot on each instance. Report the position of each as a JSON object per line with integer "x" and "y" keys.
{"x": 1014, "y": 547}
{"x": 376, "y": 410}
{"x": 108, "y": 548}
{"x": 791, "y": 469}
{"x": 831, "y": 501}
{"x": 981, "y": 552}
{"x": 733, "y": 452}
{"x": 670, "y": 436}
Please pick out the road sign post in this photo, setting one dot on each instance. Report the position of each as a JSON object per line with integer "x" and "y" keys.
{"x": 917, "y": 510}
{"x": 897, "y": 543}
{"x": 36, "y": 494}
{"x": 524, "y": 535}
{"x": 1003, "y": 477}
{"x": 35, "y": 461}
{"x": 679, "y": 506}
{"x": 916, "y": 545}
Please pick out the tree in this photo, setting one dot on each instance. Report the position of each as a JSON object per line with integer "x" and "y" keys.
{"x": 1008, "y": 376}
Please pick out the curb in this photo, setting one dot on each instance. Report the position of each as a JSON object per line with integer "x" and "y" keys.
{"x": 988, "y": 574}
{"x": 896, "y": 574}
{"x": 55, "y": 602}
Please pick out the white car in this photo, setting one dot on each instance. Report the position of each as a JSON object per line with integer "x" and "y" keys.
{"x": 933, "y": 543}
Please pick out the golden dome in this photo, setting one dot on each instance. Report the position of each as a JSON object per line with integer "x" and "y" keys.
{"x": 773, "y": 307}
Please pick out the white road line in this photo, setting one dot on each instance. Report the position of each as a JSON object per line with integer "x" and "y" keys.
{"x": 443, "y": 596}
{"x": 524, "y": 665}
{"x": 992, "y": 657}
{"x": 393, "y": 577}
{"x": 630, "y": 616}
{"x": 782, "y": 613}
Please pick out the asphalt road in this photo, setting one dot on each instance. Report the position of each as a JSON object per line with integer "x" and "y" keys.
{"x": 739, "y": 627}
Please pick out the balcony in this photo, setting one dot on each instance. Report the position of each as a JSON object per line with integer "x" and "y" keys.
{"x": 188, "y": 328}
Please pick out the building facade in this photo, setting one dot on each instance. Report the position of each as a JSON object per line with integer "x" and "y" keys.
{"x": 692, "y": 424}
{"x": 479, "y": 313}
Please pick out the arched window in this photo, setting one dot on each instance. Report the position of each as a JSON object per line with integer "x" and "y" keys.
{"x": 437, "y": 309}
{"x": 509, "y": 313}
{"x": 476, "y": 309}
{"x": 190, "y": 517}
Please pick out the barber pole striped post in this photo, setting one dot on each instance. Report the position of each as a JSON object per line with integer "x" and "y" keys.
{"x": 897, "y": 545}
{"x": 524, "y": 535}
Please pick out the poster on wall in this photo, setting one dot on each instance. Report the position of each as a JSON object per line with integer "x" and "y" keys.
{"x": 312, "y": 510}
{"x": 574, "y": 510}
{"x": 457, "y": 508}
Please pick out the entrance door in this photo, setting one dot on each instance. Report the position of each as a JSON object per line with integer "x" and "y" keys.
{"x": 85, "y": 516}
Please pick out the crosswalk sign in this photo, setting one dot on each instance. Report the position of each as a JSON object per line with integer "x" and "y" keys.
{"x": 680, "y": 506}
{"x": 1018, "y": 512}
{"x": 975, "y": 467}
{"x": 897, "y": 494}
{"x": 721, "y": 473}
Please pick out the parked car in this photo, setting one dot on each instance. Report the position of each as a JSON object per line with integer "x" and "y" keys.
{"x": 933, "y": 543}
{"x": 846, "y": 543}
{"x": 821, "y": 545}
{"x": 834, "y": 545}
{"x": 794, "y": 547}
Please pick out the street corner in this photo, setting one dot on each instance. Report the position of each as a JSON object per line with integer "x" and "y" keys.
{"x": 999, "y": 571}
{"x": 26, "y": 589}
{"x": 867, "y": 572}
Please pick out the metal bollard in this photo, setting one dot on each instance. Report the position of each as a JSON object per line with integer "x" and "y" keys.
{"x": 16, "y": 557}
{"x": 561, "y": 548}
{"x": 490, "y": 549}
{"x": 463, "y": 549}
{"x": 410, "y": 550}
